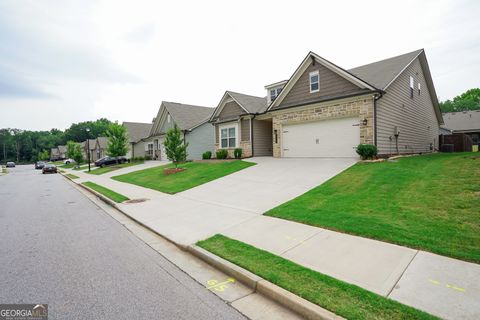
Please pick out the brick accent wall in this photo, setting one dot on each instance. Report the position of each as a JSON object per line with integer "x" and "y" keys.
{"x": 361, "y": 107}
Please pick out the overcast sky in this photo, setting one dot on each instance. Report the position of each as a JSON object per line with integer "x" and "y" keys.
{"x": 71, "y": 61}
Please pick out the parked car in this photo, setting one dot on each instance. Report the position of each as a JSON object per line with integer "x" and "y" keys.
{"x": 106, "y": 161}
{"x": 10, "y": 164}
{"x": 49, "y": 168}
{"x": 68, "y": 161}
{"x": 39, "y": 165}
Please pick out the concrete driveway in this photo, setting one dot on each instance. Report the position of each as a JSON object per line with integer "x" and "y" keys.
{"x": 270, "y": 183}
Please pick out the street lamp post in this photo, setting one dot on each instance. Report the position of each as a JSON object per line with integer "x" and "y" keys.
{"x": 88, "y": 146}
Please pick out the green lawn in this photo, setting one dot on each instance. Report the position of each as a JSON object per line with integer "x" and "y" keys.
{"x": 341, "y": 298}
{"x": 114, "y": 167}
{"x": 428, "y": 202}
{"x": 83, "y": 167}
{"x": 196, "y": 173}
{"x": 117, "y": 197}
{"x": 71, "y": 176}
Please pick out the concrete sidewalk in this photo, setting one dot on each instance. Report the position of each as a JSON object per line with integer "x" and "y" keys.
{"x": 442, "y": 286}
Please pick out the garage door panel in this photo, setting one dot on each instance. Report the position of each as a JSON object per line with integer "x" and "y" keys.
{"x": 327, "y": 138}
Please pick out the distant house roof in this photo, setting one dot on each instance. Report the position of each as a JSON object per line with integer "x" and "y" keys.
{"x": 252, "y": 104}
{"x": 137, "y": 130}
{"x": 102, "y": 142}
{"x": 91, "y": 144}
{"x": 463, "y": 121}
{"x": 381, "y": 73}
{"x": 187, "y": 116}
{"x": 62, "y": 149}
{"x": 54, "y": 151}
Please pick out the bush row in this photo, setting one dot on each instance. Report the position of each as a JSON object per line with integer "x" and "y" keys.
{"x": 223, "y": 154}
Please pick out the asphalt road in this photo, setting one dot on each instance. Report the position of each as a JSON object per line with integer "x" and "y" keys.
{"x": 57, "y": 247}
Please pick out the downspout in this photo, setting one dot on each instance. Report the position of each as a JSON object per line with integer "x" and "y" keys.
{"x": 375, "y": 98}
{"x": 251, "y": 132}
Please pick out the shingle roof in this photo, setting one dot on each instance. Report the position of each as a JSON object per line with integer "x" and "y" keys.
{"x": 462, "y": 121}
{"x": 187, "y": 116}
{"x": 137, "y": 130}
{"x": 102, "y": 142}
{"x": 251, "y": 103}
{"x": 379, "y": 74}
{"x": 62, "y": 149}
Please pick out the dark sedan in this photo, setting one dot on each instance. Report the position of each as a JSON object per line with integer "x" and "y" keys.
{"x": 106, "y": 161}
{"x": 49, "y": 168}
{"x": 39, "y": 165}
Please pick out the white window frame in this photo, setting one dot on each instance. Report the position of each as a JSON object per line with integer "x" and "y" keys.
{"x": 419, "y": 89}
{"x": 412, "y": 87}
{"x": 168, "y": 118}
{"x": 228, "y": 126}
{"x": 314, "y": 73}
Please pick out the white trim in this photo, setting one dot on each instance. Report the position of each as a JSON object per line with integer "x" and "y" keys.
{"x": 412, "y": 82}
{"x": 395, "y": 78}
{"x": 276, "y": 84}
{"x": 227, "y": 126}
{"x": 314, "y": 73}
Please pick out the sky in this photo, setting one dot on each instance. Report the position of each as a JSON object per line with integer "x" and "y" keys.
{"x": 63, "y": 62}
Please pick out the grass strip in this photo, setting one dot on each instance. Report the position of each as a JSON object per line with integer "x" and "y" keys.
{"x": 72, "y": 176}
{"x": 195, "y": 174}
{"x": 111, "y": 168}
{"x": 117, "y": 197}
{"x": 341, "y": 298}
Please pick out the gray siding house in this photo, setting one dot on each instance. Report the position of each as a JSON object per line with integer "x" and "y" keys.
{"x": 467, "y": 122}
{"x": 137, "y": 131}
{"x": 192, "y": 121}
{"x": 326, "y": 111}
{"x": 236, "y": 125}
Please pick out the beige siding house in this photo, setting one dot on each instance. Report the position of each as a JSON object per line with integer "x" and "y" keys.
{"x": 137, "y": 131}
{"x": 326, "y": 111}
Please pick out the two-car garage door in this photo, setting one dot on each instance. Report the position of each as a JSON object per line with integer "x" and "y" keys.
{"x": 326, "y": 138}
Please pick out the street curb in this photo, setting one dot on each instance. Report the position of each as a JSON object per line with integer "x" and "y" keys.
{"x": 275, "y": 293}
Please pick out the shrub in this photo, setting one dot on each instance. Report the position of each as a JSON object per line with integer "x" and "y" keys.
{"x": 222, "y": 154}
{"x": 148, "y": 157}
{"x": 207, "y": 155}
{"x": 367, "y": 151}
{"x": 237, "y": 153}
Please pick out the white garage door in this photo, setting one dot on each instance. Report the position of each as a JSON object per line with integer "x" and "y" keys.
{"x": 327, "y": 138}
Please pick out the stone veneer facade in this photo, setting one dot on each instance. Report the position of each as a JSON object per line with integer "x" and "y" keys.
{"x": 361, "y": 107}
{"x": 245, "y": 145}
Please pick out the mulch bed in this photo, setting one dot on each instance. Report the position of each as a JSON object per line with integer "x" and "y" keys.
{"x": 170, "y": 171}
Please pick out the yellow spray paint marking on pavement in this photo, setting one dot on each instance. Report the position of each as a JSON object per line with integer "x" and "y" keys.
{"x": 449, "y": 286}
{"x": 219, "y": 286}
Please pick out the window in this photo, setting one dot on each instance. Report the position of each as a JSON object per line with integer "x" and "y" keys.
{"x": 228, "y": 137}
{"x": 411, "y": 87}
{"x": 150, "y": 149}
{"x": 419, "y": 88}
{"x": 274, "y": 93}
{"x": 314, "y": 81}
{"x": 168, "y": 118}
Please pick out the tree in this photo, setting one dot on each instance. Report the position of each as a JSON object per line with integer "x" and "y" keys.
{"x": 469, "y": 100}
{"x": 117, "y": 144}
{"x": 175, "y": 147}
{"x": 77, "y": 153}
{"x": 77, "y": 132}
{"x": 44, "y": 155}
{"x": 71, "y": 149}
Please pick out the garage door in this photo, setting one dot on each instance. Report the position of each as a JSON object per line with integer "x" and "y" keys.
{"x": 327, "y": 138}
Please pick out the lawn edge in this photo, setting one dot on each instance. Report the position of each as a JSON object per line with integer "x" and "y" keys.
{"x": 283, "y": 297}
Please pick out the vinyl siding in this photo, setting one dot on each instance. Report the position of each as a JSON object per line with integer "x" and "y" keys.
{"x": 331, "y": 85}
{"x": 201, "y": 139}
{"x": 245, "y": 130}
{"x": 165, "y": 125}
{"x": 415, "y": 118}
{"x": 262, "y": 138}
{"x": 230, "y": 110}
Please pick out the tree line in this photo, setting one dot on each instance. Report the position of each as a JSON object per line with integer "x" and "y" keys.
{"x": 23, "y": 146}
{"x": 469, "y": 100}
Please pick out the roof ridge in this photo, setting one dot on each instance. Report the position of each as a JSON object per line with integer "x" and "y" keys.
{"x": 382, "y": 60}
{"x": 244, "y": 94}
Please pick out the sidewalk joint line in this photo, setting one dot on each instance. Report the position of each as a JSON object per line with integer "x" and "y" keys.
{"x": 301, "y": 242}
{"x": 400, "y": 277}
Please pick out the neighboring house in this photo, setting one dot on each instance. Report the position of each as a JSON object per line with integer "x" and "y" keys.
{"x": 101, "y": 147}
{"x": 83, "y": 147}
{"x": 467, "y": 122}
{"x": 137, "y": 131}
{"x": 54, "y": 154}
{"x": 62, "y": 151}
{"x": 191, "y": 120}
{"x": 326, "y": 111}
{"x": 92, "y": 144}
{"x": 236, "y": 125}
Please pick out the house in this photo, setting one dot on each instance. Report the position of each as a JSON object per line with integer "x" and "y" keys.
{"x": 467, "y": 122}
{"x": 236, "y": 125}
{"x": 101, "y": 147}
{"x": 62, "y": 151}
{"x": 54, "y": 154}
{"x": 323, "y": 110}
{"x": 136, "y": 132}
{"x": 191, "y": 120}
{"x": 92, "y": 144}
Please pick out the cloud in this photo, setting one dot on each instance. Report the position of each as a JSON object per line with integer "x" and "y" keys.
{"x": 141, "y": 34}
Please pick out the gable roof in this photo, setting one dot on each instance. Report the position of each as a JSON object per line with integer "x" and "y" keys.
{"x": 311, "y": 56}
{"x": 102, "y": 142}
{"x": 62, "y": 149}
{"x": 382, "y": 73}
{"x": 250, "y": 104}
{"x": 463, "y": 120}
{"x": 186, "y": 116}
{"x": 137, "y": 130}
